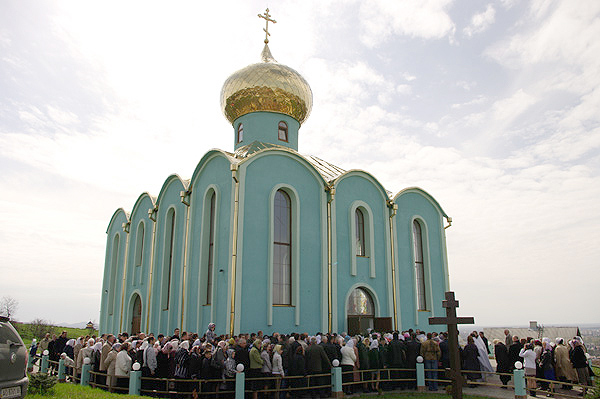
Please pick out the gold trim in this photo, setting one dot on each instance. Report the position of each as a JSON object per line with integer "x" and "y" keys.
{"x": 393, "y": 207}
{"x": 185, "y": 199}
{"x": 283, "y": 306}
{"x": 126, "y": 228}
{"x": 236, "y": 203}
{"x": 152, "y": 215}
{"x": 331, "y": 190}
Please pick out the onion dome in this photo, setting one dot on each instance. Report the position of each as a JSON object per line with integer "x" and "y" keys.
{"x": 266, "y": 86}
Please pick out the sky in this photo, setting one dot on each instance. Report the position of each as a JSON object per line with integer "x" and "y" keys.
{"x": 491, "y": 107}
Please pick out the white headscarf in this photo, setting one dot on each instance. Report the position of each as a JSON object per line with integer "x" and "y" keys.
{"x": 374, "y": 344}
{"x": 185, "y": 345}
{"x": 350, "y": 343}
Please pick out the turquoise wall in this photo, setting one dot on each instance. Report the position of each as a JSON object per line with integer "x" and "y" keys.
{"x": 417, "y": 204}
{"x": 161, "y": 319}
{"x": 264, "y": 126}
{"x": 263, "y": 175}
{"x": 211, "y": 174}
{"x": 112, "y": 283}
{"x": 260, "y": 176}
{"x": 352, "y": 190}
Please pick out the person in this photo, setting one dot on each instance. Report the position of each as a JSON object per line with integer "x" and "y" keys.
{"x": 397, "y": 359}
{"x": 182, "y": 363}
{"x": 106, "y": 348}
{"x": 374, "y": 363}
{"x": 241, "y": 354}
{"x": 149, "y": 363}
{"x": 317, "y": 362}
{"x": 44, "y": 342}
{"x": 502, "y": 361}
{"x": 513, "y": 352}
{"x": 123, "y": 366}
{"x": 528, "y": 355}
{"x": 297, "y": 368}
{"x": 508, "y": 339}
{"x": 256, "y": 363}
{"x": 470, "y": 356}
{"x": 230, "y": 370}
{"x": 564, "y": 369}
{"x": 210, "y": 371}
{"x": 484, "y": 360}
{"x": 413, "y": 347}
{"x": 277, "y": 371}
{"x": 431, "y": 353}
{"x": 485, "y": 341}
{"x": 211, "y": 336}
{"x": 580, "y": 365}
{"x": 110, "y": 363}
{"x": 347, "y": 363}
{"x": 267, "y": 368}
{"x": 547, "y": 367}
{"x": 363, "y": 361}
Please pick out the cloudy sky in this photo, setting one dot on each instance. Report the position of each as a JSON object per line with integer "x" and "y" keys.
{"x": 492, "y": 107}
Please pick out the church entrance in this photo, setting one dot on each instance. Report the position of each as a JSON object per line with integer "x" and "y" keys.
{"x": 136, "y": 319}
{"x": 360, "y": 311}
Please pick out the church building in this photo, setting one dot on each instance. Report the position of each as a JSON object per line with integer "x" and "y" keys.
{"x": 265, "y": 238}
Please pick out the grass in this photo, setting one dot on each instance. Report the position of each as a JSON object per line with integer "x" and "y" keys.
{"x": 68, "y": 391}
{"x": 26, "y": 333}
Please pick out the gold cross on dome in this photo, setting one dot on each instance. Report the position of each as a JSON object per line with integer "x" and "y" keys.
{"x": 267, "y": 17}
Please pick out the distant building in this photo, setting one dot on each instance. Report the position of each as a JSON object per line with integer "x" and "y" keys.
{"x": 551, "y": 332}
{"x": 264, "y": 238}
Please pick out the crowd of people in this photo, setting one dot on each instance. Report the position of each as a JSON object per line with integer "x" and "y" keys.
{"x": 561, "y": 361}
{"x": 298, "y": 364}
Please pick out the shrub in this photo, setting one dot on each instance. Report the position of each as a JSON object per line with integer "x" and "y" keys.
{"x": 41, "y": 383}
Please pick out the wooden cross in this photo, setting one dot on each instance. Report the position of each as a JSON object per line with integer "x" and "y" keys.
{"x": 452, "y": 322}
{"x": 267, "y": 19}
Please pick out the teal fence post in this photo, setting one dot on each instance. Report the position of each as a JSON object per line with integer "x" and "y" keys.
{"x": 61, "y": 370}
{"x": 420, "y": 375}
{"x": 336, "y": 382}
{"x": 239, "y": 385}
{"x": 135, "y": 382}
{"x": 519, "y": 379}
{"x": 30, "y": 363}
{"x": 85, "y": 374}
{"x": 44, "y": 367}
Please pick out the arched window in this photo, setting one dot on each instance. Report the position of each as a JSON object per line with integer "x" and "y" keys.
{"x": 283, "y": 131}
{"x": 240, "y": 133}
{"x": 168, "y": 258}
{"x": 139, "y": 244}
{"x": 114, "y": 266}
{"x": 282, "y": 249}
{"x": 211, "y": 249}
{"x": 419, "y": 266}
{"x": 359, "y": 220}
{"x": 360, "y": 311}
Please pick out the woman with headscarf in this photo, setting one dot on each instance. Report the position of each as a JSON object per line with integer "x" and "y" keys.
{"x": 182, "y": 364}
{"x": 502, "y": 361}
{"x": 162, "y": 361}
{"x": 86, "y": 351}
{"x": 110, "y": 363}
{"x": 564, "y": 369}
{"x": 348, "y": 361}
{"x": 547, "y": 366}
{"x": 528, "y": 355}
{"x": 211, "y": 336}
{"x": 374, "y": 363}
{"x": 230, "y": 370}
{"x": 363, "y": 361}
{"x": 470, "y": 355}
{"x": 96, "y": 355}
{"x": 123, "y": 366}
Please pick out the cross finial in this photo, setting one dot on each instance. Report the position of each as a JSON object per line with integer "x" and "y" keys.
{"x": 267, "y": 17}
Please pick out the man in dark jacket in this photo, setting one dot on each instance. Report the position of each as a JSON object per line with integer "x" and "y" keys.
{"x": 242, "y": 355}
{"x": 397, "y": 358}
{"x": 413, "y": 348}
{"x": 317, "y": 362}
{"x": 513, "y": 352}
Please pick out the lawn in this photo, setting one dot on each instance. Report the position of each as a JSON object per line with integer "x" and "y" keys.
{"x": 26, "y": 332}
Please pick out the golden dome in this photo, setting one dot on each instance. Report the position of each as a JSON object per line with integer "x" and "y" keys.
{"x": 266, "y": 86}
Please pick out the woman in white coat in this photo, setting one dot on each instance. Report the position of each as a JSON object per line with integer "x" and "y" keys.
{"x": 123, "y": 366}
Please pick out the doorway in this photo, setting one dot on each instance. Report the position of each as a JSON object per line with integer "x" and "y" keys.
{"x": 361, "y": 312}
{"x": 136, "y": 318}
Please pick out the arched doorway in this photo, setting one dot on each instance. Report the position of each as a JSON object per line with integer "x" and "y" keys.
{"x": 136, "y": 318}
{"x": 361, "y": 311}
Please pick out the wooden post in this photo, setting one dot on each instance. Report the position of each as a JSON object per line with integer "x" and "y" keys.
{"x": 452, "y": 322}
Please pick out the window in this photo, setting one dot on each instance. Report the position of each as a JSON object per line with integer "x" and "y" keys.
{"x": 139, "y": 244}
{"x": 282, "y": 249}
{"x": 240, "y": 133}
{"x": 283, "y": 131}
{"x": 114, "y": 265}
{"x": 419, "y": 266}
{"x": 168, "y": 258}
{"x": 359, "y": 219}
{"x": 211, "y": 248}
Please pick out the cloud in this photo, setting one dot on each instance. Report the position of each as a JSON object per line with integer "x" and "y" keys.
{"x": 381, "y": 19}
{"x": 481, "y": 21}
